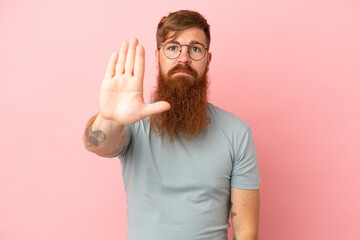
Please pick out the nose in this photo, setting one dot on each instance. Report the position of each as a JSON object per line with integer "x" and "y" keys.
{"x": 184, "y": 55}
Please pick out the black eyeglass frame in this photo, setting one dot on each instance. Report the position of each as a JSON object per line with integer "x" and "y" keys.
{"x": 188, "y": 51}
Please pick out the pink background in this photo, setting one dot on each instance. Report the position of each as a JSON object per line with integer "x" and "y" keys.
{"x": 290, "y": 69}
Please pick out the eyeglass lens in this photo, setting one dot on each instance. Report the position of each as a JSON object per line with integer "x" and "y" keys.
{"x": 196, "y": 51}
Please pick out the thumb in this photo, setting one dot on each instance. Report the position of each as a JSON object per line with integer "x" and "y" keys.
{"x": 156, "y": 107}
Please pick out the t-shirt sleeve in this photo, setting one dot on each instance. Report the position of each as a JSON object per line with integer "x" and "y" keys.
{"x": 245, "y": 172}
{"x": 129, "y": 131}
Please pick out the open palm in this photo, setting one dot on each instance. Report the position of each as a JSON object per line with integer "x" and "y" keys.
{"x": 121, "y": 94}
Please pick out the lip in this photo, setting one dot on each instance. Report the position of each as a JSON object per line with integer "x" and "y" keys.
{"x": 182, "y": 73}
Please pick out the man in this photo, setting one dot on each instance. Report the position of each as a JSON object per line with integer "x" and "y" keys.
{"x": 186, "y": 163}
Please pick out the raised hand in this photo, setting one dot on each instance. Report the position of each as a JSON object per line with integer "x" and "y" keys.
{"x": 121, "y": 94}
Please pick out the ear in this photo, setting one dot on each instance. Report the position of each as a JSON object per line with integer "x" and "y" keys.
{"x": 157, "y": 58}
{"x": 209, "y": 56}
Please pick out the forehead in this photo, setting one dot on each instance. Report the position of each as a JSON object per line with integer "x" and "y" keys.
{"x": 188, "y": 36}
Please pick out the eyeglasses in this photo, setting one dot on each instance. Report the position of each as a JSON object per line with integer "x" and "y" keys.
{"x": 196, "y": 51}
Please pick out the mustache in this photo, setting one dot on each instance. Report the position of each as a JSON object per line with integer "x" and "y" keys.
{"x": 183, "y": 68}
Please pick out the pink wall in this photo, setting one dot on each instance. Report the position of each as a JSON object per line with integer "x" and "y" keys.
{"x": 288, "y": 68}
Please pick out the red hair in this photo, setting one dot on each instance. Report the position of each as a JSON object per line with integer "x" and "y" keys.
{"x": 179, "y": 21}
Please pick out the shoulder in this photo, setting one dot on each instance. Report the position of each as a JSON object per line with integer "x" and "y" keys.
{"x": 227, "y": 120}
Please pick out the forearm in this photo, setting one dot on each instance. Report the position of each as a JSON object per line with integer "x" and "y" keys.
{"x": 242, "y": 232}
{"x": 244, "y": 207}
{"x": 245, "y": 235}
{"x": 104, "y": 137}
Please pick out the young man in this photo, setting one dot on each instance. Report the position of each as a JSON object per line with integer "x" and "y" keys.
{"x": 186, "y": 163}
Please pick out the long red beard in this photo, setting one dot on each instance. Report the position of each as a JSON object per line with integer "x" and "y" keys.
{"x": 188, "y": 99}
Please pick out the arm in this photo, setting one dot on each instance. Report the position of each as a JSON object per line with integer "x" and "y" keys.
{"x": 121, "y": 101}
{"x": 104, "y": 137}
{"x": 244, "y": 209}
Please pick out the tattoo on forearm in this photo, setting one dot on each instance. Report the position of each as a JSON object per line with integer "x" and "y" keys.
{"x": 96, "y": 137}
{"x": 233, "y": 214}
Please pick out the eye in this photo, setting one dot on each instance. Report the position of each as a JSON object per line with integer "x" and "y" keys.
{"x": 172, "y": 47}
{"x": 196, "y": 48}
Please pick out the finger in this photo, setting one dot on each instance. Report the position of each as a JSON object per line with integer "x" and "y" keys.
{"x": 120, "y": 66}
{"x": 156, "y": 107}
{"x": 139, "y": 67}
{"x": 110, "y": 69}
{"x": 130, "y": 57}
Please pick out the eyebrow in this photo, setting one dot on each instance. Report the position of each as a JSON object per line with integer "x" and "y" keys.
{"x": 192, "y": 42}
